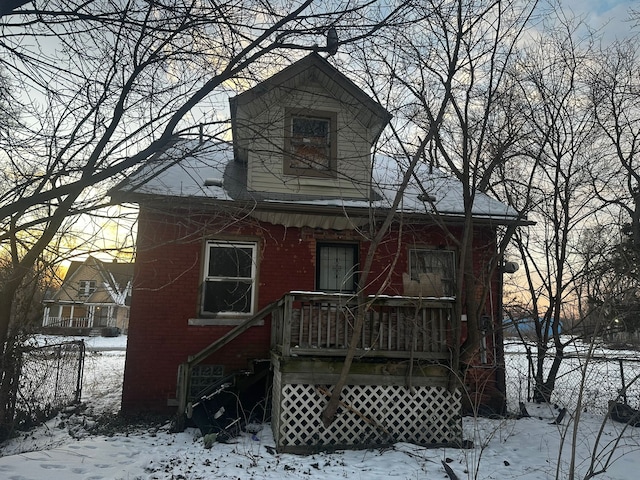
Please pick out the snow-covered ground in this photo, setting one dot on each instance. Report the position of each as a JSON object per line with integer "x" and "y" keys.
{"x": 79, "y": 445}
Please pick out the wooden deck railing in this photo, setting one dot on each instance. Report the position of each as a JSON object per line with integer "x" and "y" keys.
{"x": 318, "y": 324}
{"x": 321, "y": 324}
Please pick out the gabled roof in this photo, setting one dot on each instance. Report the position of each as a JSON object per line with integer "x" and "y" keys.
{"x": 315, "y": 69}
{"x": 207, "y": 173}
{"x": 115, "y": 278}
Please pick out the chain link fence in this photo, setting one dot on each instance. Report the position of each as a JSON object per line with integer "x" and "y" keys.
{"x": 50, "y": 379}
{"x": 594, "y": 379}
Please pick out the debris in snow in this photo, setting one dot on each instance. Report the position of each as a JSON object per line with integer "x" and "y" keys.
{"x": 450, "y": 473}
{"x": 623, "y": 413}
{"x": 209, "y": 439}
{"x": 560, "y": 416}
{"x": 253, "y": 427}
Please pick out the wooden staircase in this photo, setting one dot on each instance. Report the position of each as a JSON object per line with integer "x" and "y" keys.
{"x": 183, "y": 402}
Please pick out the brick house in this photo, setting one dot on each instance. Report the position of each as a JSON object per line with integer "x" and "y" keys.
{"x": 250, "y": 251}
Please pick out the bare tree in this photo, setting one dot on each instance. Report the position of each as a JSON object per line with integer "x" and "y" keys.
{"x": 615, "y": 83}
{"x": 615, "y": 90}
{"x": 440, "y": 77}
{"x": 558, "y": 154}
{"x": 104, "y": 85}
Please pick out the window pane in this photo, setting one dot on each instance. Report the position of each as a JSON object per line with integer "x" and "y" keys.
{"x": 231, "y": 261}
{"x": 310, "y": 143}
{"x": 309, "y": 156}
{"x": 229, "y": 278}
{"x": 336, "y": 268}
{"x": 431, "y": 261}
{"x": 227, "y": 296}
{"x": 433, "y": 266}
{"x": 315, "y": 129}
{"x": 86, "y": 287}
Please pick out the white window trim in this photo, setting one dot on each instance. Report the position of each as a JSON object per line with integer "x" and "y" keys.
{"x": 205, "y": 278}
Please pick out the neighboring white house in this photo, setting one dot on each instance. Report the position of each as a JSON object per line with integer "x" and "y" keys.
{"x": 94, "y": 294}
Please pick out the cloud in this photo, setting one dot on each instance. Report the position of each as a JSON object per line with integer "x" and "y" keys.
{"x": 610, "y": 17}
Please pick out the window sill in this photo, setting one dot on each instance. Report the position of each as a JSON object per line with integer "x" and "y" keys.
{"x": 206, "y": 322}
{"x": 310, "y": 173}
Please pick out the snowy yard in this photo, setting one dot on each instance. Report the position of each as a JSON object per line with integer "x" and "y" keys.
{"x": 67, "y": 447}
{"x": 606, "y": 372}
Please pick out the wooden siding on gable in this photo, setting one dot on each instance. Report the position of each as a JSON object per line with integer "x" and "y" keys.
{"x": 69, "y": 292}
{"x": 103, "y": 275}
{"x": 260, "y": 132}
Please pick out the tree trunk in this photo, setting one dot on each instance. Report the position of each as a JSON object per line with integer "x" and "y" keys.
{"x": 543, "y": 389}
{"x": 9, "y": 372}
{"x": 329, "y": 412}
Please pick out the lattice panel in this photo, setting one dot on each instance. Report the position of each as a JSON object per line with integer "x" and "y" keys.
{"x": 368, "y": 415}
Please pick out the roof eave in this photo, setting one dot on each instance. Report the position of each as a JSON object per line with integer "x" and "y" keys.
{"x": 298, "y": 207}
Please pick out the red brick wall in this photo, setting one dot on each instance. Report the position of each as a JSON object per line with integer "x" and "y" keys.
{"x": 167, "y": 280}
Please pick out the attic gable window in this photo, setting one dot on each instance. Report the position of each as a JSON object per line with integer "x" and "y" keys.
{"x": 86, "y": 288}
{"x": 310, "y": 143}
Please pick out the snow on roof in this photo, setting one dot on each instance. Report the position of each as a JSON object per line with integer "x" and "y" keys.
{"x": 190, "y": 169}
{"x": 182, "y": 170}
{"x": 432, "y": 190}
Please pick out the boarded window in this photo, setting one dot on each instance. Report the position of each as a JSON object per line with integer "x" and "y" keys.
{"x": 434, "y": 272}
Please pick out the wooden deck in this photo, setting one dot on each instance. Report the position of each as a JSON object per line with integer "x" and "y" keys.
{"x": 321, "y": 325}
{"x": 399, "y": 385}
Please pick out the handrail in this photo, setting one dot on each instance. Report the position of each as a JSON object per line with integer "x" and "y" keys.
{"x": 184, "y": 369}
{"x": 282, "y": 311}
{"x": 236, "y": 331}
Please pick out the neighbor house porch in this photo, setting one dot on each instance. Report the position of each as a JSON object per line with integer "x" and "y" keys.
{"x": 80, "y": 318}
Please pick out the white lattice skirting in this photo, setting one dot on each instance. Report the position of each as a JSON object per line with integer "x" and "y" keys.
{"x": 369, "y": 415}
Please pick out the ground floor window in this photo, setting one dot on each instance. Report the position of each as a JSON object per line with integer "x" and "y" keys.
{"x": 229, "y": 278}
{"x": 101, "y": 315}
{"x": 434, "y": 270}
{"x": 336, "y": 267}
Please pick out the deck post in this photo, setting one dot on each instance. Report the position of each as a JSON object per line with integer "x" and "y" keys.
{"x": 287, "y": 313}
{"x": 182, "y": 395}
